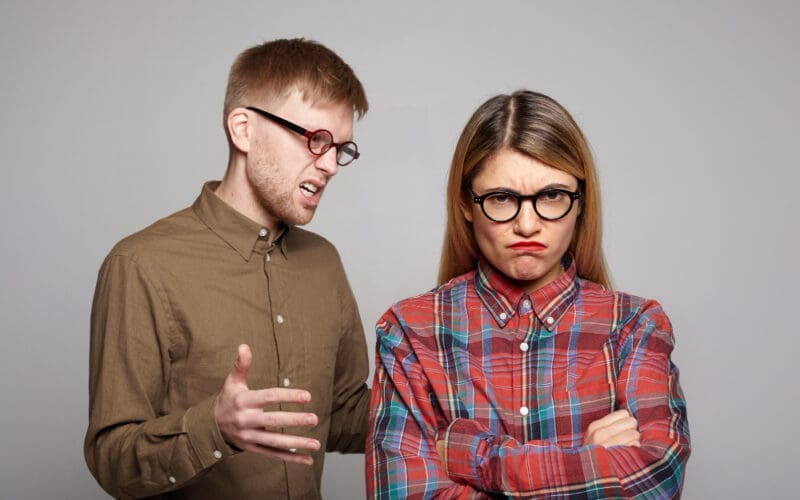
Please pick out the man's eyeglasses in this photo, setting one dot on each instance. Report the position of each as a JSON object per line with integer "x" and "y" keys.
{"x": 503, "y": 206}
{"x": 319, "y": 141}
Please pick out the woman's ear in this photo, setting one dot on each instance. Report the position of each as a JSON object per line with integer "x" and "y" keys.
{"x": 466, "y": 208}
{"x": 239, "y": 129}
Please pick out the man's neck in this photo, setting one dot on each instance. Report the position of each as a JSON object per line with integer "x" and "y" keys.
{"x": 237, "y": 192}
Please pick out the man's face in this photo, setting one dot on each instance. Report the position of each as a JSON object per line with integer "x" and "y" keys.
{"x": 286, "y": 179}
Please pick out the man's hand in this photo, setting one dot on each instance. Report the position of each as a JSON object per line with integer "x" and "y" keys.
{"x": 241, "y": 418}
{"x": 615, "y": 429}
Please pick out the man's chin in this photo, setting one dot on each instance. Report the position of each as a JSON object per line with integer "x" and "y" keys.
{"x": 301, "y": 219}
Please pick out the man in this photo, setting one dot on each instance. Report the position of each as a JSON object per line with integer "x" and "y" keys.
{"x": 176, "y": 408}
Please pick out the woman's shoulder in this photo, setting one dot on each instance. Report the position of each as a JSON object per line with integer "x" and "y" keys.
{"x": 627, "y": 306}
{"x": 427, "y": 301}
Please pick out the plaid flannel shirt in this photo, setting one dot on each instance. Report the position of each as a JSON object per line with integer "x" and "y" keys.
{"x": 510, "y": 382}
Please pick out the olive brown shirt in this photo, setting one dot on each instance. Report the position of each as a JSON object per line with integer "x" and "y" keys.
{"x": 172, "y": 304}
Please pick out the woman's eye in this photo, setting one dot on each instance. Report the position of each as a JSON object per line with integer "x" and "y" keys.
{"x": 552, "y": 196}
{"x": 500, "y": 199}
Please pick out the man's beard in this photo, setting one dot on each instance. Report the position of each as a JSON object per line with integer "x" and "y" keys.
{"x": 279, "y": 204}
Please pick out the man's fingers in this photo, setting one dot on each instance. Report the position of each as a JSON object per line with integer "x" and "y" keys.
{"x": 281, "y": 442}
{"x": 238, "y": 374}
{"x": 279, "y": 419}
{"x": 280, "y": 454}
{"x": 258, "y": 419}
{"x": 262, "y": 397}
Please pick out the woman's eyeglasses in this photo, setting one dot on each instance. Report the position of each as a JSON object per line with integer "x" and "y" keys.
{"x": 503, "y": 206}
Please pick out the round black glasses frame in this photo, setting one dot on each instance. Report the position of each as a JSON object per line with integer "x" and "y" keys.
{"x": 573, "y": 195}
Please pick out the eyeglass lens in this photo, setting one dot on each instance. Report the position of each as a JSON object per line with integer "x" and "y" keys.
{"x": 321, "y": 141}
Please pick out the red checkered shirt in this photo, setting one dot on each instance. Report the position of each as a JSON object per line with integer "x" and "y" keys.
{"x": 510, "y": 382}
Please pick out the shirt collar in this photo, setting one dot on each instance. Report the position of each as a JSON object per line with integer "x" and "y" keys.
{"x": 243, "y": 234}
{"x": 502, "y": 297}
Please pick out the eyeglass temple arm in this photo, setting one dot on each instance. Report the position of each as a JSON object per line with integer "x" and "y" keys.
{"x": 277, "y": 119}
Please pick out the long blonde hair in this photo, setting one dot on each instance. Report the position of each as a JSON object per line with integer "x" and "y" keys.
{"x": 537, "y": 126}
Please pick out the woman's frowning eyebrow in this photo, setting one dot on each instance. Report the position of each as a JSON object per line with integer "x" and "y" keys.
{"x": 554, "y": 185}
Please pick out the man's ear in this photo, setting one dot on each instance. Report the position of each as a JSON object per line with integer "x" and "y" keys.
{"x": 238, "y": 124}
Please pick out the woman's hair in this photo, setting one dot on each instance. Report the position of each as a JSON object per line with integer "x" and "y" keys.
{"x": 537, "y": 126}
{"x": 273, "y": 69}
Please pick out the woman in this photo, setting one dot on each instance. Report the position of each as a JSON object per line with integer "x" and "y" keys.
{"x": 523, "y": 374}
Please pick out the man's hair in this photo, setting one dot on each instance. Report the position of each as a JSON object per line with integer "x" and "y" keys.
{"x": 274, "y": 69}
{"x": 537, "y": 126}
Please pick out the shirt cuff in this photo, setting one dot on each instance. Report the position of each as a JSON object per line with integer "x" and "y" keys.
{"x": 204, "y": 434}
{"x": 465, "y": 441}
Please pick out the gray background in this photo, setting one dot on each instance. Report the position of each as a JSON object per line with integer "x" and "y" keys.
{"x": 111, "y": 118}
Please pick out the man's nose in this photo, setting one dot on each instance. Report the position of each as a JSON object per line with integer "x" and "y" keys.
{"x": 327, "y": 162}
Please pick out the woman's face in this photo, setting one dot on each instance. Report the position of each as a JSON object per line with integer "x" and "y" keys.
{"x": 527, "y": 249}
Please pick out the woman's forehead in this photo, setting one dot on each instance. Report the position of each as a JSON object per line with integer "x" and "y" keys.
{"x": 516, "y": 170}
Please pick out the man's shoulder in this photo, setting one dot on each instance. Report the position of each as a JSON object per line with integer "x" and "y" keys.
{"x": 162, "y": 235}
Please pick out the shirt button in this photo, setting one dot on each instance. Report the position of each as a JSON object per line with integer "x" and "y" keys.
{"x": 267, "y": 257}
{"x": 523, "y": 410}
{"x": 287, "y": 382}
{"x": 526, "y": 304}
{"x": 263, "y": 232}
{"x": 172, "y": 479}
{"x": 523, "y": 347}
{"x": 549, "y": 320}
{"x": 279, "y": 319}
{"x": 217, "y": 454}
{"x": 503, "y": 316}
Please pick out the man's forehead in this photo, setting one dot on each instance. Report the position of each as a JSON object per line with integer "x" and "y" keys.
{"x": 305, "y": 96}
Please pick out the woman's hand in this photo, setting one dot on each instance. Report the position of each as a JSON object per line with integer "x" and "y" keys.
{"x": 615, "y": 429}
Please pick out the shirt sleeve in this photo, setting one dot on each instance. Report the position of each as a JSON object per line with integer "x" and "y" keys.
{"x": 350, "y": 404}
{"x": 401, "y": 460}
{"x": 132, "y": 447}
{"x": 647, "y": 385}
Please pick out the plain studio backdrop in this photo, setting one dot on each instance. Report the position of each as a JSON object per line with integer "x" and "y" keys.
{"x": 112, "y": 118}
